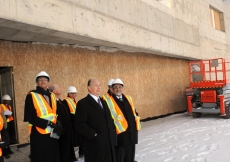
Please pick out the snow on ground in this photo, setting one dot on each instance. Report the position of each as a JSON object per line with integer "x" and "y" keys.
{"x": 181, "y": 138}
{"x": 176, "y": 138}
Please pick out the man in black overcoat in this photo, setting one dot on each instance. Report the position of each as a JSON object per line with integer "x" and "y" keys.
{"x": 126, "y": 141}
{"x": 43, "y": 148}
{"x": 66, "y": 145}
{"x": 77, "y": 137}
{"x": 94, "y": 122}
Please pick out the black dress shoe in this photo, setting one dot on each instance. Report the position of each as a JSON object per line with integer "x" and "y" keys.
{"x": 7, "y": 156}
{"x": 10, "y": 152}
{"x": 81, "y": 155}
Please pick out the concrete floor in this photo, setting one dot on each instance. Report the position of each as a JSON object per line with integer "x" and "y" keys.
{"x": 22, "y": 154}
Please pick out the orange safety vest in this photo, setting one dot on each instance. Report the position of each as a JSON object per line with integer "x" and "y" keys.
{"x": 117, "y": 115}
{"x": 137, "y": 118}
{"x": 71, "y": 104}
{"x": 7, "y": 108}
{"x": 1, "y": 126}
{"x": 44, "y": 111}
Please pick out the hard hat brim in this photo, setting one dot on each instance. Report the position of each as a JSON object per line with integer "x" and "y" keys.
{"x": 42, "y": 76}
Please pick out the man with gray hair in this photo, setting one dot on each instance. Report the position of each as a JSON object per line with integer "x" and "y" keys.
{"x": 94, "y": 122}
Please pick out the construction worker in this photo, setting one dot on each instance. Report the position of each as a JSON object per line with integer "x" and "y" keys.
{"x": 40, "y": 113}
{"x": 10, "y": 123}
{"x": 4, "y": 137}
{"x": 70, "y": 103}
{"x": 110, "y": 89}
{"x": 126, "y": 121}
{"x": 66, "y": 146}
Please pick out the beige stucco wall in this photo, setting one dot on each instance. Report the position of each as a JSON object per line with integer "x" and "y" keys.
{"x": 156, "y": 83}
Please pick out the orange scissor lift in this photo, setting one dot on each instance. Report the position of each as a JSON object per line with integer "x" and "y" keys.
{"x": 209, "y": 90}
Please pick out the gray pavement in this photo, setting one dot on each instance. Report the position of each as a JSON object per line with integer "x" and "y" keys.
{"x": 21, "y": 154}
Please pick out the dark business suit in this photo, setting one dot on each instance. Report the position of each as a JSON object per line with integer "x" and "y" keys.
{"x": 90, "y": 119}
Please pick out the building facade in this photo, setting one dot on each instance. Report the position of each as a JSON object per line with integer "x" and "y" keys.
{"x": 146, "y": 43}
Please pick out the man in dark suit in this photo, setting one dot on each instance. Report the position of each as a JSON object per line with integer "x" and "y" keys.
{"x": 94, "y": 122}
{"x": 66, "y": 145}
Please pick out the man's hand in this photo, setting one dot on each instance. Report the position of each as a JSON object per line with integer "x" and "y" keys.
{"x": 57, "y": 128}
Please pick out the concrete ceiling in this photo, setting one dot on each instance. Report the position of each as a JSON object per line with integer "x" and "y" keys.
{"x": 15, "y": 31}
{"x": 20, "y": 32}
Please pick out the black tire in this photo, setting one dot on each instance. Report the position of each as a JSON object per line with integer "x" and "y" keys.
{"x": 196, "y": 115}
{"x": 227, "y": 107}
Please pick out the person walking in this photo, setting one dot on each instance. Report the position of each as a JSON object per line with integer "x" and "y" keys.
{"x": 94, "y": 122}
{"x": 66, "y": 147}
{"x": 126, "y": 121}
{"x": 40, "y": 113}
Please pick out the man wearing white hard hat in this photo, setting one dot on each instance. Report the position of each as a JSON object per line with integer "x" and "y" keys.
{"x": 40, "y": 113}
{"x": 126, "y": 121}
{"x": 66, "y": 147}
{"x": 70, "y": 101}
{"x": 4, "y": 138}
{"x": 109, "y": 92}
{"x": 6, "y": 99}
{"x": 110, "y": 89}
{"x": 70, "y": 104}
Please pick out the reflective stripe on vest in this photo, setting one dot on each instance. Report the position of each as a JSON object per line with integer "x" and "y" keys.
{"x": 44, "y": 111}
{"x": 1, "y": 126}
{"x": 116, "y": 113}
{"x": 7, "y": 108}
{"x": 1, "y": 122}
{"x": 71, "y": 105}
{"x": 137, "y": 118}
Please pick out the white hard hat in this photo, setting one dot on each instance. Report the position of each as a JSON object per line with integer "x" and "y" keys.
{"x": 110, "y": 82}
{"x": 117, "y": 81}
{"x": 6, "y": 97}
{"x": 42, "y": 74}
{"x": 72, "y": 89}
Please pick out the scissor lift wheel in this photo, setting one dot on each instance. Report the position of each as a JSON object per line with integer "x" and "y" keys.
{"x": 227, "y": 111}
{"x": 196, "y": 115}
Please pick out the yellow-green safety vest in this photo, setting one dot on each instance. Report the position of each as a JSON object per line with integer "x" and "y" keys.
{"x": 44, "y": 111}
{"x": 117, "y": 115}
{"x": 71, "y": 104}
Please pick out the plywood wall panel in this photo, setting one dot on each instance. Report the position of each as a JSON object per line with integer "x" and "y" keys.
{"x": 156, "y": 83}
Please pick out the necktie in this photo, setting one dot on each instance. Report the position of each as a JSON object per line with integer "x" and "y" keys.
{"x": 47, "y": 99}
{"x": 120, "y": 99}
{"x": 58, "y": 101}
{"x": 99, "y": 102}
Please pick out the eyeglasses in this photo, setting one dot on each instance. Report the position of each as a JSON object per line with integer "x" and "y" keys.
{"x": 117, "y": 87}
{"x": 43, "y": 79}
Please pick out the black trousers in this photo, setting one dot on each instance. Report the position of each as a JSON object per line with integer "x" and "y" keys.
{"x": 1, "y": 159}
{"x": 125, "y": 154}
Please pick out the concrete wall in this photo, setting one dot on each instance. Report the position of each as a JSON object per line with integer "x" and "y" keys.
{"x": 156, "y": 83}
{"x": 135, "y": 25}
